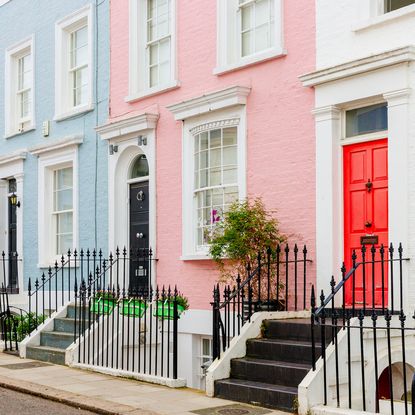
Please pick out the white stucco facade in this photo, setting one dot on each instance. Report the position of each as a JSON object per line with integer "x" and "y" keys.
{"x": 375, "y": 64}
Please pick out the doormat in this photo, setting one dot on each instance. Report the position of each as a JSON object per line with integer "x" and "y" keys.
{"x": 25, "y": 365}
{"x": 232, "y": 410}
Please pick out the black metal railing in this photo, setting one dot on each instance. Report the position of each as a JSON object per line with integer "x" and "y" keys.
{"x": 8, "y": 322}
{"x": 9, "y": 263}
{"x": 369, "y": 334}
{"x": 277, "y": 281}
{"x": 128, "y": 329}
{"x": 56, "y": 287}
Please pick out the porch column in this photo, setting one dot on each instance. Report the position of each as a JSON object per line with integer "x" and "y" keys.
{"x": 398, "y": 170}
{"x": 19, "y": 225}
{"x": 3, "y": 215}
{"x": 328, "y": 185}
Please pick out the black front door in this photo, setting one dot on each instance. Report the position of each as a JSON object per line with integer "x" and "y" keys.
{"x": 139, "y": 238}
{"x": 12, "y": 232}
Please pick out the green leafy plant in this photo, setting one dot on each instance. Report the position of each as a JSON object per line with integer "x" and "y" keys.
{"x": 245, "y": 230}
{"x": 18, "y": 327}
{"x": 180, "y": 298}
{"x": 105, "y": 295}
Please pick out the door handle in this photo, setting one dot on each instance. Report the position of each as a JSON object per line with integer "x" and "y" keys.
{"x": 368, "y": 224}
{"x": 140, "y": 235}
{"x": 369, "y": 185}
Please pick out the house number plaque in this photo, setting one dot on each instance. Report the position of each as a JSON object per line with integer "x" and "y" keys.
{"x": 369, "y": 240}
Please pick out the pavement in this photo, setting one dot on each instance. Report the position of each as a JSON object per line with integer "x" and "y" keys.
{"x": 108, "y": 395}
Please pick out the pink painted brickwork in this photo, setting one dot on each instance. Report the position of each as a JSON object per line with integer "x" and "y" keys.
{"x": 280, "y": 140}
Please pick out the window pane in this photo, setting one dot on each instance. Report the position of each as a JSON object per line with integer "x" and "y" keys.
{"x": 63, "y": 178}
{"x": 217, "y": 197}
{"x": 154, "y": 76}
{"x": 229, "y": 136}
{"x": 391, "y": 5}
{"x": 261, "y": 38}
{"x": 215, "y": 138}
{"x": 215, "y": 179}
{"x": 64, "y": 243}
{"x": 246, "y": 43}
{"x": 230, "y": 155}
{"x": 215, "y": 158}
{"x": 246, "y": 14}
{"x": 366, "y": 120}
{"x": 230, "y": 175}
{"x": 203, "y": 141}
{"x": 231, "y": 195}
{"x": 204, "y": 178}
{"x": 203, "y": 159}
{"x": 64, "y": 225}
{"x": 164, "y": 72}
{"x": 206, "y": 347}
{"x": 165, "y": 50}
{"x": 63, "y": 200}
{"x": 261, "y": 12}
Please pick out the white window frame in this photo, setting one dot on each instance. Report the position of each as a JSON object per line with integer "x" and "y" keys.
{"x": 203, "y": 356}
{"x": 138, "y": 78}
{"x": 48, "y": 163}
{"x": 229, "y": 56}
{"x": 235, "y": 116}
{"x": 63, "y": 91}
{"x": 13, "y": 124}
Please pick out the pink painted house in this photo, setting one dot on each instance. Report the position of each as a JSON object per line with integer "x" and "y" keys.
{"x": 206, "y": 107}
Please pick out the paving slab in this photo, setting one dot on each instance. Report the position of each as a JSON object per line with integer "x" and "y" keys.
{"x": 105, "y": 394}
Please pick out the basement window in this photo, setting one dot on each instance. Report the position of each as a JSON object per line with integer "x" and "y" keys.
{"x": 391, "y": 5}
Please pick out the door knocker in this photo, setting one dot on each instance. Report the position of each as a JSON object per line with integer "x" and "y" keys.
{"x": 140, "y": 196}
{"x": 369, "y": 185}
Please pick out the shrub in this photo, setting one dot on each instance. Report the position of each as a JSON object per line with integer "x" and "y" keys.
{"x": 245, "y": 230}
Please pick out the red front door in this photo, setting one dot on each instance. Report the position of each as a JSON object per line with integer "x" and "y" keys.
{"x": 366, "y": 213}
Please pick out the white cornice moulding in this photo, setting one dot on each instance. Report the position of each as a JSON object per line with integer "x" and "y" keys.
{"x": 358, "y": 66}
{"x": 235, "y": 95}
{"x": 131, "y": 125}
{"x": 330, "y": 112}
{"x": 54, "y": 145}
{"x": 10, "y": 158}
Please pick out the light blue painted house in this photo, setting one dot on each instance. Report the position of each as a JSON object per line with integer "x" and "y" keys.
{"x": 54, "y": 72}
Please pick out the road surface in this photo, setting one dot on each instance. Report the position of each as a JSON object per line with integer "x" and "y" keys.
{"x": 16, "y": 403}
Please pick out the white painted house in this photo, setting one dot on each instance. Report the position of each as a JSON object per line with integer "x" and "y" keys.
{"x": 365, "y": 134}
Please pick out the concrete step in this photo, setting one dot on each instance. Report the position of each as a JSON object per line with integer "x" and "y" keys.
{"x": 269, "y": 371}
{"x": 46, "y": 354}
{"x": 257, "y": 393}
{"x": 56, "y": 339}
{"x": 281, "y": 350}
{"x": 64, "y": 324}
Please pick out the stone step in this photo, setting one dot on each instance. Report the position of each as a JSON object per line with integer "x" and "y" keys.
{"x": 46, "y": 354}
{"x": 70, "y": 311}
{"x": 269, "y": 371}
{"x": 294, "y": 329}
{"x": 281, "y": 350}
{"x": 257, "y": 393}
{"x": 56, "y": 339}
{"x": 64, "y": 324}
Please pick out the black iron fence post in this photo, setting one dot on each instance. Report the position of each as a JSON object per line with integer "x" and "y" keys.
{"x": 175, "y": 334}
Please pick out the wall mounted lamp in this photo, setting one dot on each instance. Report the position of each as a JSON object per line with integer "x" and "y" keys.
{"x": 142, "y": 140}
{"x": 14, "y": 201}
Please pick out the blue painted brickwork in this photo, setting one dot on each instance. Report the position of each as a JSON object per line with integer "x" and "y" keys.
{"x": 20, "y": 19}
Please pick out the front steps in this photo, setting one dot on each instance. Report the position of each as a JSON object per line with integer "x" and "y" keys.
{"x": 54, "y": 343}
{"x": 273, "y": 367}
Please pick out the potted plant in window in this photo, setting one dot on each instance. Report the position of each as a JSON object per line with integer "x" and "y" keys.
{"x": 134, "y": 307}
{"x": 164, "y": 309}
{"x": 103, "y": 302}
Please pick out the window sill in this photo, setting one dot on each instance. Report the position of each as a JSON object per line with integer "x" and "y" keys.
{"x": 385, "y": 18}
{"x": 152, "y": 91}
{"x": 17, "y": 133}
{"x": 251, "y": 60}
{"x": 196, "y": 257}
{"x": 74, "y": 112}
